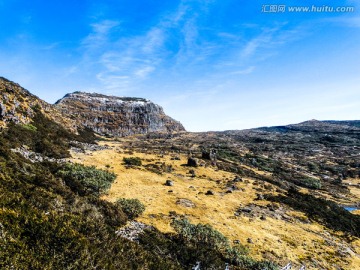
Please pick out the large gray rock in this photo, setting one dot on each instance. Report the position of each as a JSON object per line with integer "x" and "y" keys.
{"x": 117, "y": 116}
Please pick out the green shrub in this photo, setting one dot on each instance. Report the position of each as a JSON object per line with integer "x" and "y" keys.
{"x": 200, "y": 234}
{"x": 29, "y": 127}
{"x": 87, "y": 179}
{"x": 206, "y": 240}
{"x": 311, "y": 183}
{"x": 131, "y": 207}
{"x": 135, "y": 161}
{"x": 313, "y": 167}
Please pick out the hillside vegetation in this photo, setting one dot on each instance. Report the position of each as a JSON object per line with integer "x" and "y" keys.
{"x": 51, "y": 215}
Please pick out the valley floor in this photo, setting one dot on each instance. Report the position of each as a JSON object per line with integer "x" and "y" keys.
{"x": 269, "y": 230}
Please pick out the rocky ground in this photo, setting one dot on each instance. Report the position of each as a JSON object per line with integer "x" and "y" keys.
{"x": 238, "y": 182}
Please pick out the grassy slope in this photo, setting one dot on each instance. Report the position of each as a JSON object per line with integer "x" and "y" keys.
{"x": 45, "y": 224}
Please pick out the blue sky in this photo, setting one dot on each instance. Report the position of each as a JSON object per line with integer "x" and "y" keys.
{"x": 213, "y": 65}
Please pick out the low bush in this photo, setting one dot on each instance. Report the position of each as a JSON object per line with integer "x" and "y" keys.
{"x": 131, "y": 207}
{"x": 200, "y": 234}
{"x": 312, "y": 183}
{"x": 134, "y": 161}
{"x": 203, "y": 241}
{"x": 86, "y": 180}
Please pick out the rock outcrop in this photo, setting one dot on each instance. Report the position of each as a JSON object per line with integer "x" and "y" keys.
{"x": 116, "y": 116}
{"x": 18, "y": 105}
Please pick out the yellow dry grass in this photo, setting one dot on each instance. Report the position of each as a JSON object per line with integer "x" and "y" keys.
{"x": 272, "y": 238}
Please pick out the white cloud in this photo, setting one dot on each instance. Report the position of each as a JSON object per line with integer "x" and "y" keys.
{"x": 100, "y": 34}
{"x": 265, "y": 39}
{"x": 243, "y": 71}
{"x": 144, "y": 72}
{"x": 126, "y": 61}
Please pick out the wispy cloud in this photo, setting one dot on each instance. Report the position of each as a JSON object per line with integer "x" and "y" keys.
{"x": 128, "y": 60}
{"x": 176, "y": 44}
{"x": 243, "y": 71}
{"x": 100, "y": 34}
{"x": 268, "y": 38}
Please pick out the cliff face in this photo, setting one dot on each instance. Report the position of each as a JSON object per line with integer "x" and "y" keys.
{"x": 116, "y": 116}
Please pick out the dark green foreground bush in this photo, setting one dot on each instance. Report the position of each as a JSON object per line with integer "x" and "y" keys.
{"x": 131, "y": 207}
{"x": 85, "y": 179}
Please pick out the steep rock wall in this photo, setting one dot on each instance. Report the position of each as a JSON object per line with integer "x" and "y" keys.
{"x": 117, "y": 116}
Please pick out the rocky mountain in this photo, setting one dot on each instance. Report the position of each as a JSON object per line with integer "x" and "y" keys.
{"x": 116, "y": 116}
{"x": 106, "y": 115}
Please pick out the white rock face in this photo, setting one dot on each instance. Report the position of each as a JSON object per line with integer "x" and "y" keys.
{"x": 117, "y": 116}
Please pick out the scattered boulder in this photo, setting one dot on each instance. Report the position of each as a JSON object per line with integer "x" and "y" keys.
{"x": 233, "y": 187}
{"x": 210, "y": 192}
{"x": 210, "y": 155}
{"x": 193, "y": 162}
{"x": 169, "y": 183}
{"x": 186, "y": 203}
{"x": 246, "y": 210}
